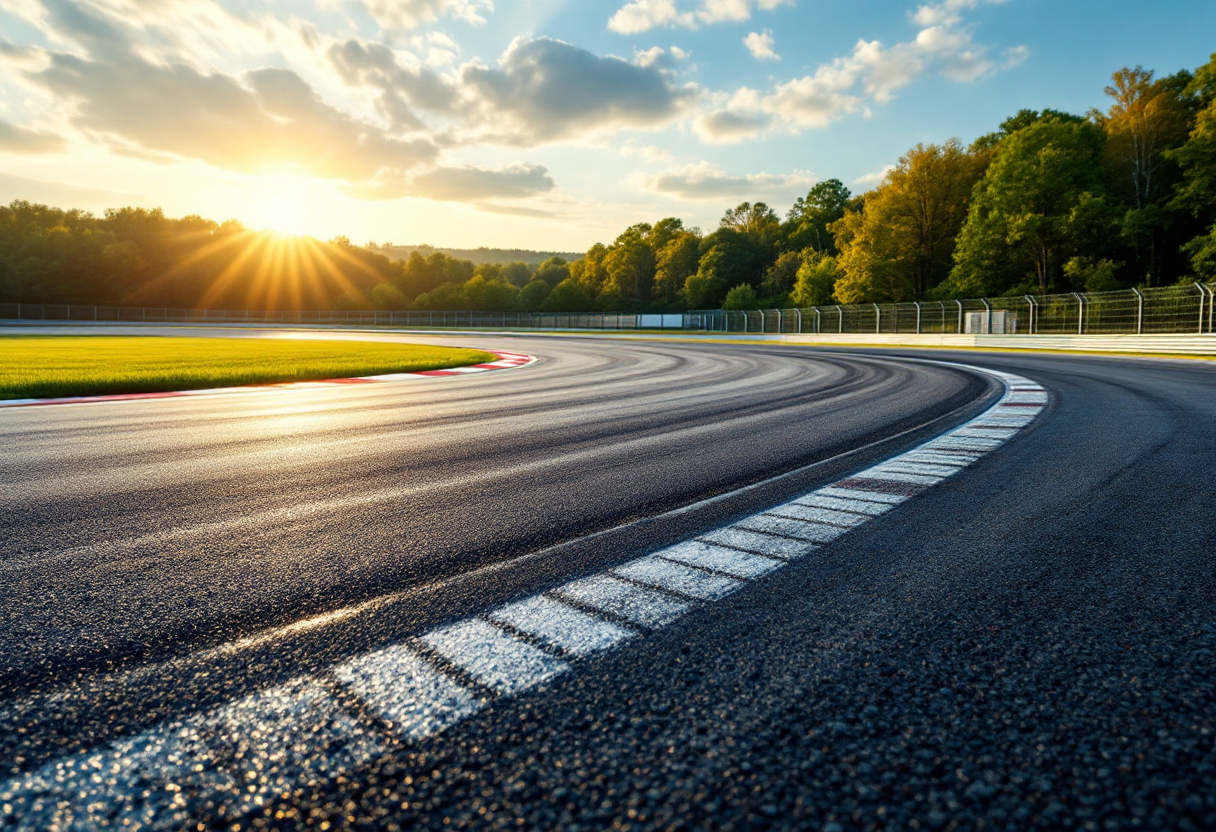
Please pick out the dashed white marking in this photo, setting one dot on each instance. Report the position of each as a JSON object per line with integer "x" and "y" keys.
{"x": 286, "y": 737}
{"x": 950, "y": 460}
{"x": 499, "y": 662}
{"x": 860, "y": 506}
{"x": 883, "y": 472}
{"x": 767, "y": 544}
{"x": 788, "y": 527}
{"x": 728, "y": 561}
{"x": 987, "y": 432}
{"x": 859, "y": 494}
{"x": 682, "y": 579}
{"x": 647, "y": 607}
{"x": 906, "y": 466}
{"x": 561, "y": 625}
{"x": 405, "y": 691}
{"x": 800, "y": 511}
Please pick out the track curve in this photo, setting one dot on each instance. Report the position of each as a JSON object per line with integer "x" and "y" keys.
{"x": 1028, "y": 645}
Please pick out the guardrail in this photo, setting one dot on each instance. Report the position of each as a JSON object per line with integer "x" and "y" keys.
{"x": 1181, "y": 309}
{"x": 362, "y": 317}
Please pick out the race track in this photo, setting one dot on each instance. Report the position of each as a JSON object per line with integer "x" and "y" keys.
{"x": 1029, "y": 642}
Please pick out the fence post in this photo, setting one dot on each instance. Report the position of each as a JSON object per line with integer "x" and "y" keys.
{"x": 1203, "y": 296}
{"x": 1030, "y": 301}
{"x": 916, "y": 303}
{"x": 799, "y": 321}
{"x": 959, "y": 331}
{"x": 840, "y": 313}
{"x": 1080, "y": 313}
{"x": 877, "y": 319}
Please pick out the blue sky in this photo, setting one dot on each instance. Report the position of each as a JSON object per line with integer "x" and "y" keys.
{"x": 536, "y": 124}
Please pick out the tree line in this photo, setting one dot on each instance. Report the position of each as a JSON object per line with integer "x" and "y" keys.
{"x": 1049, "y": 202}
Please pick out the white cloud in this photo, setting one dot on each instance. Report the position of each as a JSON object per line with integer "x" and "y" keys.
{"x": 474, "y": 184}
{"x": 1015, "y": 56}
{"x": 398, "y": 16}
{"x": 726, "y": 127}
{"x": 632, "y": 147}
{"x": 874, "y": 178}
{"x": 642, "y": 15}
{"x": 871, "y": 73}
{"x": 706, "y": 181}
{"x": 545, "y": 90}
{"x": 760, "y": 44}
{"x": 14, "y": 139}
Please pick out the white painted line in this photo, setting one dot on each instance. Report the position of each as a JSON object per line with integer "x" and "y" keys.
{"x": 954, "y": 461}
{"x": 859, "y": 506}
{"x": 285, "y": 737}
{"x": 882, "y": 472}
{"x": 647, "y": 607}
{"x": 904, "y": 466}
{"x": 950, "y": 444}
{"x": 406, "y": 692}
{"x": 122, "y": 785}
{"x": 984, "y": 442}
{"x": 682, "y": 579}
{"x": 859, "y": 494}
{"x": 560, "y": 625}
{"x": 797, "y": 529}
{"x": 498, "y": 661}
{"x": 728, "y": 561}
{"x": 990, "y": 432}
{"x": 800, "y": 511}
{"x": 766, "y": 544}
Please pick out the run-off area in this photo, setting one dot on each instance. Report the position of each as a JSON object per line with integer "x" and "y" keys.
{"x": 285, "y": 740}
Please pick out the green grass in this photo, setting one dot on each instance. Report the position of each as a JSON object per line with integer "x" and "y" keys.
{"x": 58, "y": 366}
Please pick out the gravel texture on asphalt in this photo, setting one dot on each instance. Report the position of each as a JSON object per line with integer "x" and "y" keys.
{"x": 1028, "y": 644}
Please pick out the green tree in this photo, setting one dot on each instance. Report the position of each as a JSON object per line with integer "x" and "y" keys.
{"x": 808, "y": 221}
{"x": 779, "y": 278}
{"x": 1091, "y": 275}
{"x": 591, "y": 274}
{"x": 663, "y": 232}
{"x": 630, "y": 265}
{"x": 740, "y": 298}
{"x": 388, "y": 296}
{"x": 553, "y": 271}
{"x": 900, "y": 246}
{"x": 756, "y": 221}
{"x": 517, "y": 274}
{"x": 675, "y": 263}
{"x": 815, "y": 284}
{"x": 1146, "y": 120}
{"x": 533, "y": 295}
{"x": 1044, "y": 184}
{"x": 568, "y": 296}
{"x": 1196, "y": 196}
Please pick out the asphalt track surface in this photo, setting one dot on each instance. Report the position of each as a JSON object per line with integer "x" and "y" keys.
{"x": 1028, "y": 643}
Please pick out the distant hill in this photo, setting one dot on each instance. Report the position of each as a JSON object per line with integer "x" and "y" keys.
{"x": 479, "y": 255}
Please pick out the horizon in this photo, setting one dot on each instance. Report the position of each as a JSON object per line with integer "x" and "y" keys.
{"x": 468, "y": 125}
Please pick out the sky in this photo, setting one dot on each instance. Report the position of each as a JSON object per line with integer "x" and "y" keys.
{"x": 542, "y": 124}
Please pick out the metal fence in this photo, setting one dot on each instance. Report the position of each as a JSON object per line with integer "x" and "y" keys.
{"x": 1173, "y": 309}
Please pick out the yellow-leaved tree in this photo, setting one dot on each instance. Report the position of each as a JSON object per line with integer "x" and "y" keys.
{"x": 900, "y": 244}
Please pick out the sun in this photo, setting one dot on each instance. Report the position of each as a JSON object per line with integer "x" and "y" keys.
{"x": 281, "y": 207}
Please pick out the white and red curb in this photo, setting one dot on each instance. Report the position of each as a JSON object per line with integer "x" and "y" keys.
{"x": 506, "y": 361}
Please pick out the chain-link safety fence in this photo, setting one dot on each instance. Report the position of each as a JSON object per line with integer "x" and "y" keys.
{"x": 1181, "y": 309}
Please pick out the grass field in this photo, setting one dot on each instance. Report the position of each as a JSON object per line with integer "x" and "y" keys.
{"x": 39, "y": 367}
